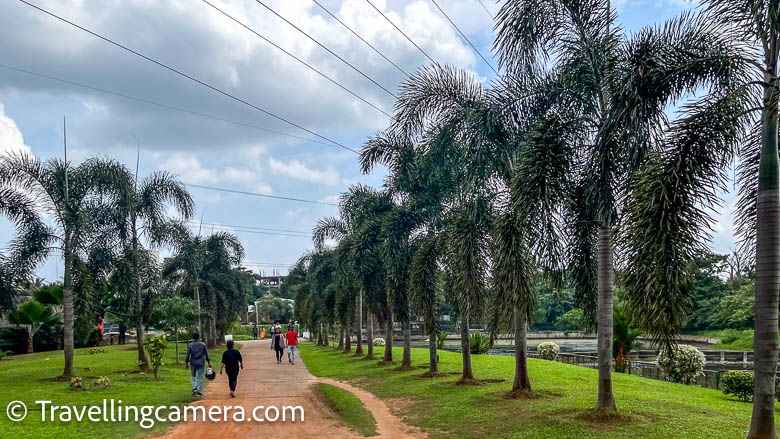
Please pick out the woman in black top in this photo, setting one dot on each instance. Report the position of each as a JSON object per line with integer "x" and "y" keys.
{"x": 277, "y": 344}
{"x": 231, "y": 363}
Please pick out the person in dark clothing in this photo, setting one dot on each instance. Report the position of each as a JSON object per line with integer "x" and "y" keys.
{"x": 196, "y": 360}
{"x": 254, "y": 331}
{"x": 277, "y": 344}
{"x": 231, "y": 363}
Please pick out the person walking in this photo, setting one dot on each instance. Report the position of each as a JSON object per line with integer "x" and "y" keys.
{"x": 196, "y": 360}
{"x": 231, "y": 363}
{"x": 262, "y": 333}
{"x": 291, "y": 337}
{"x": 254, "y": 331}
{"x": 277, "y": 344}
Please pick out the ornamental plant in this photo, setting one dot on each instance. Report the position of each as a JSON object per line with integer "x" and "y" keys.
{"x": 739, "y": 383}
{"x": 156, "y": 348}
{"x": 682, "y": 364}
{"x": 379, "y": 341}
{"x": 548, "y": 351}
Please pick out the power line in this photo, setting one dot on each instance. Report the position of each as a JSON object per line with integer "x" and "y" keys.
{"x": 257, "y": 194}
{"x": 298, "y": 59}
{"x": 402, "y": 32}
{"x": 219, "y": 229}
{"x": 361, "y": 38}
{"x": 329, "y": 51}
{"x": 463, "y": 35}
{"x": 253, "y": 228}
{"x": 486, "y": 9}
{"x": 162, "y": 105}
{"x": 191, "y": 78}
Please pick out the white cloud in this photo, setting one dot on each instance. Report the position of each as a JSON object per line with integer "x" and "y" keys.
{"x": 11, "y": 139}
{"x": 190, "y": 170}
{"x": 299, "y": 171}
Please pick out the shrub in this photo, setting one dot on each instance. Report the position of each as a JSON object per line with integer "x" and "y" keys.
{"x": 76, "y": 384}
{"x": 156, "y": 348}
{"x": 548, "y": 351}
{"x": 738, "y": 383}
{"x": 95, "y": 351}
{"x": 6, "y": 355}
{"x": 442, "y": 337}
{"x": 102, "y": 382}
{"x": 379, "y": 341}
{"x": 479, "y": 343}
{"x": 684, "y": 364}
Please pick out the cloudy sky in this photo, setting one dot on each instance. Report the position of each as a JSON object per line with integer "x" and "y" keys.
{"x": 209, "y": 139}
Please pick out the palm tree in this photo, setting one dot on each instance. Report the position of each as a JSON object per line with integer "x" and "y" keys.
{"x": 35, "y": 316}
{"x": 625, "y": 339}
{"x": 73, "y": 196}
{"x": 143, "y": 215}
{"x": 196, "y": 262}
{"x": 620, "y": 89}
{"x": 426, "y": 299}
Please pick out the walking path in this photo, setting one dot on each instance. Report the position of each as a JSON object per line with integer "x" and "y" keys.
{"x": 263, "y": 382}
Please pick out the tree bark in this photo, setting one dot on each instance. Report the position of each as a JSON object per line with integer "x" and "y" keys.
{"x": 522, "y": 380}
{"x": 406, "y": 362}
{"x": 606, "y": 290}
{"x": 327, "y": 334}
{"x": 122, "y": 330}
{"x": 341, "y": 338}
{"x": 465, "y": 347}
{"x": 30, "y": 348}
{"x": 347, "y": 340}
{"x": 388, "y": 357}
{"x": 370, "y": 334}
{"x": 359, "y": 327}
{"x": 433, "y": 339}
{"x": 319, "y": 337}
{"x": 765, "y": 344}
{"x": 68, "y": 317}
{"x": 143, "y": 364}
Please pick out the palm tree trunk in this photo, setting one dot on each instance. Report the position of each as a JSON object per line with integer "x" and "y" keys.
{"x": 341, "y": 338}
{"x": 370, "y": 334}
{"x": 327, "y": 334}
{"x": 433, "y": 367}
{"x": 143, "y": 364}
{"x": 197, "y": 300}
{"x": 30, "y": 335}
{"x": 319, "y": 336}
{"x": 388, "y": 358}
{"x": 468, "y": 374}
{"x": 522, "y": 380}
{"x": 176, "y": 342}
{"x": 359, "y": 327}
{"x": 765, "y": 344}
{"x": 214, "y": 337}
{"x": 68, "y": 317}
{"x": 606, "y": 290}
{"x": 406, "y": 362}
{"x": 347, "y": 339}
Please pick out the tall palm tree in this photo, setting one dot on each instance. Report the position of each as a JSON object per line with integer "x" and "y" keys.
{"x": 196, "y": 262}
{"x": 143, "y": 216}
{"x": 620, "y": 88}
{"x": 425, "y": 295}
{"x": 73, "y": 196}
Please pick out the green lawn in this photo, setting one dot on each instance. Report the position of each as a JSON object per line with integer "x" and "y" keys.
{"x": 28, "y": 378}
{"x": 648, "y": 408}
{"x": 739, "y": 340}
{"x": 349, "y": 408}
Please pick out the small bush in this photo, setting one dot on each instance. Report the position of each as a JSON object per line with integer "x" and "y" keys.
{"x": 548, "y": 351}
{"x": 6, "y": 355}
{"x": 739, "y": 383}
{"x": 95, "y": 351}
{"x": 156, "y": 348}
{"x": 102, "y": 382}
{"x": 684, "y": 364}
{"x": 479, "y": 343}
{"x": 76, "y": 384}
{"x": 379, "y": 341}
{"x": 442, "y": 337}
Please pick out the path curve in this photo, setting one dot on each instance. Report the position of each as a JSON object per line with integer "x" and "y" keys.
{"x": 388, "y": 425}
{"x": 264, "y": 382}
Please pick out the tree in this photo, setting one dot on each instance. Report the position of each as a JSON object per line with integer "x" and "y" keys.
{"x": 74, "y": 196}
{"x": 174, "y": 314}
{"x": 625, "y": 339}
{"x": 426, "y": 298}
{"x": 35, "y": 316}
{"x": 143, "y": 214}
{"x": 620, "y": 89}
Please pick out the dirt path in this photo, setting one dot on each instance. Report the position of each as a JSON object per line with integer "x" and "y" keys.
{"x": 263, "y": 382}
{"x": 388, "y": 425}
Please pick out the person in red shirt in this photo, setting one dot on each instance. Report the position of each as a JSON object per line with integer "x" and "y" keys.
{"x": 292, "y": 343}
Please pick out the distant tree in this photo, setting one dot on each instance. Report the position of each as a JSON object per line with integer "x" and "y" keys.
{"x": 174, "y": 314}
{"x": 35, "y": 316}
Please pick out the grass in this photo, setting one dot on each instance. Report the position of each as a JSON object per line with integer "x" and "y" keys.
{"x": 558, "y": 408}
{"x": 735, "y": 339}
{"x": 349, "y": 408}
{"x": 29, "y": 378}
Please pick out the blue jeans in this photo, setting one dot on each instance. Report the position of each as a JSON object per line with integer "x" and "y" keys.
{"x": 197, "y": 384}
{"x": 291, "y": 353}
